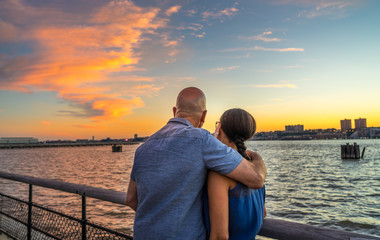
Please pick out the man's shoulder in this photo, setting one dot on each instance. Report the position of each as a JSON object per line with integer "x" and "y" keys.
{"x": 202, "y": 132}
{"x": 181, "y": 130}
{"x": 180, "y": 134}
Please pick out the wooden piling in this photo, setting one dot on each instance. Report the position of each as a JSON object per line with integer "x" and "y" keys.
{"x": 117, "y": 148}
{"x": 351, "y": 151}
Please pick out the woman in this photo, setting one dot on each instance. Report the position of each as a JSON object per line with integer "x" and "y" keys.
{"x": 232, "y": 210}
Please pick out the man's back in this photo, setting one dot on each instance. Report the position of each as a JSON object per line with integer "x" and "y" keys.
{"x": 170, "y": 171}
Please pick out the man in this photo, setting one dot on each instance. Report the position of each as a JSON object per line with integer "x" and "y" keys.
{"x": 170, "y": 170}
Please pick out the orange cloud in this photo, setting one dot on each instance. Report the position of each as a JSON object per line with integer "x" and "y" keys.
{"x": 114, "y": 108}
{"x": 87, "y": 126}
{"x": 77, "y": 55}
{"x": 45, "y": 123}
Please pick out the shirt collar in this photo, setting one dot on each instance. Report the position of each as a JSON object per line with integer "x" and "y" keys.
{"x": 181, "y": 120}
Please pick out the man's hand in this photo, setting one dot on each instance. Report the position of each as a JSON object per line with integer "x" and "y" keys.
{"x": 250, "y": 173}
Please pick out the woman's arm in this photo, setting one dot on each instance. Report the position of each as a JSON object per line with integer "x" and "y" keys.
{"x": 218, "y": 186}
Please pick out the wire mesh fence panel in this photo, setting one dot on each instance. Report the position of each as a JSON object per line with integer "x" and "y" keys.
{"x": 47, "y": 223}
{"x": 13, "y": 227}
{"x": 16, "y": 209}
{"x": 56, "y": 224}
{"x": 100, "y": 234}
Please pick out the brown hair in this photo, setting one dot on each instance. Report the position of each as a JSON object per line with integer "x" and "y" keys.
{"x": 239, "y": 126}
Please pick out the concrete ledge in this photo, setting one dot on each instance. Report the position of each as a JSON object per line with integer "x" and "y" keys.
{"x": 4, "y": 236}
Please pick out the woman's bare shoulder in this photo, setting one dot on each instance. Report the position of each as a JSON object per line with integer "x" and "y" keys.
{"x": 216, "y": 178}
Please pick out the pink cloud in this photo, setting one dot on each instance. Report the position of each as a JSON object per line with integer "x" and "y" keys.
{"x": 259, "y": 48}
{"x": 225, "y": 12}
{"x": 224, "y": 69}
{"x": 172, "y": 10}
{"x": 316, "y": 8}
{"x": 262, "y": 37}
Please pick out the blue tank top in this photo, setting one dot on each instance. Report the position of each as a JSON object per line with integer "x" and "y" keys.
{"x": 246, "y": 212}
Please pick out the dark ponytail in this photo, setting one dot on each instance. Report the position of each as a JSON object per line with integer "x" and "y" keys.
{"x": 241, "y": 147}
{"x": 239, "y": 126}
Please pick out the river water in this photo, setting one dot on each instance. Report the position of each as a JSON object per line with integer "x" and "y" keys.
{"x": 307, "y": 182}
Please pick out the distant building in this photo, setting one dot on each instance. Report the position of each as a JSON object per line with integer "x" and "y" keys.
{"x": 372, "y": 132}
{"x": 360, "y": 123}
{"x": 294, "y": 128}
{"x": 18, "y": 140}
{"x": 345, "y": 125}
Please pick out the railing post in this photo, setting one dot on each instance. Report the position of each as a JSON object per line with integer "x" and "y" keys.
{"x": 29, "y": 234}
{"x": 84, "y": 218}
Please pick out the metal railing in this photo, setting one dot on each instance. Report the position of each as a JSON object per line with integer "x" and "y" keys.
{"x": 22, "y": 219}
{"x": 26, "y": 220}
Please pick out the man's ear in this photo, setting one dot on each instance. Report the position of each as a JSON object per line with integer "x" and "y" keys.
{"x": 174, "y": 111}
{"x": 203, "y": 118}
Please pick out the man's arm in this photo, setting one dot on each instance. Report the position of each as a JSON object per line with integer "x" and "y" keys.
{"x": 132, "y": 195}
{"x": 251, "y": 174}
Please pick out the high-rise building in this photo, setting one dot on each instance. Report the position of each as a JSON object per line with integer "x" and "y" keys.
{"x": 294, "y": 128}
{"x": 345, "y": 125}
{"x": 360, "y": 123}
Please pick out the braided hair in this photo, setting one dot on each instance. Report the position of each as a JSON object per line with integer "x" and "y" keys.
{"x": 239, "y": 126}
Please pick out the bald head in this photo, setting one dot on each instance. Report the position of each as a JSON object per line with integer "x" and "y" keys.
{"x": 191, "y": 101}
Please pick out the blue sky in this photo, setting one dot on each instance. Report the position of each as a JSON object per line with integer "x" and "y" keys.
{"x": 74, "y": 69}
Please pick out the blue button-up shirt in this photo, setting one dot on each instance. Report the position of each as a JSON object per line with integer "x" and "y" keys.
{"x": 170, "y": 171}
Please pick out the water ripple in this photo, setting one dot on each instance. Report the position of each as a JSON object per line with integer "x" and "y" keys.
{"x": 306, "y": 182}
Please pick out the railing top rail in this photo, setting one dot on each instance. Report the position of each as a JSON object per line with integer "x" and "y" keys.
{"x": 98, "y": 193}
{"x": 286, "y": 230}
{"x": 274, "y": 228}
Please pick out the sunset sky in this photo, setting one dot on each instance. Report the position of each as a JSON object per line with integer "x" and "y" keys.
{"x": 73, "y": 69}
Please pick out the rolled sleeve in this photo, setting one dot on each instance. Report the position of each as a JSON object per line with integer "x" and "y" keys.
{"x": 218, "y": 157}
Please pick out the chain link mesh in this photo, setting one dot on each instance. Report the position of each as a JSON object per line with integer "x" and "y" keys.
{"x": 51, "y": 224}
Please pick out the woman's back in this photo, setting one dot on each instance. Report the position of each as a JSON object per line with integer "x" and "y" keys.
{"x": 232, "y": 210}
{"x": 245, "y": 210}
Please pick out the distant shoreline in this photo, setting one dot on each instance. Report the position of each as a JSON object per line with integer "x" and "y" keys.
{"x": 55, "y": 145}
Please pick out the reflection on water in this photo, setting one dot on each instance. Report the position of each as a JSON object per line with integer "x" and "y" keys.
{"x": 93, "y": 166}
{"x": 307, "y": 182}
